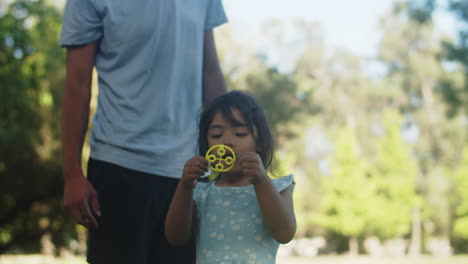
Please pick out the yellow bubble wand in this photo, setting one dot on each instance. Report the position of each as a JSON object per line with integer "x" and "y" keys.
{"x": 221, "y": 158}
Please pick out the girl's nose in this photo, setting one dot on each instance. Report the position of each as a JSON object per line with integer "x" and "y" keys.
{"x": 228, "y": 142}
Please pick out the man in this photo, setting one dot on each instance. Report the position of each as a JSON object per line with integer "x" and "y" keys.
{"x": 156, "y": 62}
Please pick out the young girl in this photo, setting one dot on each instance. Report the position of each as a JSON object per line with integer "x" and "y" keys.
{"x": 240, "y": 217}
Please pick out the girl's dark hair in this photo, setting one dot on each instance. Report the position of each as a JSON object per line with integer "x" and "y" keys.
{"x": 251, "y": 112}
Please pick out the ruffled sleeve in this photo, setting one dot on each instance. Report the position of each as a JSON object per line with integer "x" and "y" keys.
{"x": 199, "y": 191}
{"x": 283, "y": 182}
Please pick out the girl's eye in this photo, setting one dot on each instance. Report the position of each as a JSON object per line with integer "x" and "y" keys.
{"x": 241, "y": 134}
{"x": 216, "y": 136}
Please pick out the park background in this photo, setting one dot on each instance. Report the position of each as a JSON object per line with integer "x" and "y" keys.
{"x": 371, "y": 119}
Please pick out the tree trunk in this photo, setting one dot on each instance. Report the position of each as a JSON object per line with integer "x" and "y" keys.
{"x": 353, "y": 246}
{"x": 416, "y": 234}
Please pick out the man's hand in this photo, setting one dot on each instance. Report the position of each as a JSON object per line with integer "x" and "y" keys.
{"x": 81, "y": 201}
{"x": 193, "y": 170}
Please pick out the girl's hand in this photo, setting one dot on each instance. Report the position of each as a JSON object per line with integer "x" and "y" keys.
{"x": 193, "y": 170}
{"x": 252, "y": 167}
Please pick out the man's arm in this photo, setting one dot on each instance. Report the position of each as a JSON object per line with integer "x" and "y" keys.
{"x": 214, "y": 84}
{"x": 80, "y": 197}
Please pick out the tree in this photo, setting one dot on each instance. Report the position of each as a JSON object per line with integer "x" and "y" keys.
{"x": 412, "y": 53}
{"x": 459, "y": 53}
{"x": 31, "y": 73}
{"x": 422, "y": 12}
{"x": 394, "y": 171}
{"x": 247, "y": 69}
{"x": 461, "y": 221}
{"x": 349, "y": 193}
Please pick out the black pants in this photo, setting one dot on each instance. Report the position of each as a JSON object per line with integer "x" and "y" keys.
{"x": 134, "y": 207}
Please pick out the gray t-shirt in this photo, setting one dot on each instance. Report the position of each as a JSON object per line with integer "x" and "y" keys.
{"x": 149, "y": 64}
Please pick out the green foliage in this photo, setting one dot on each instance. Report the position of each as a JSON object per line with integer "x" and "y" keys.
{"x": 348, "y": 192}
{"x": 374, "y": 178}
{"x": 274, "y": 89}
{"x": 414, "y": 55}
{"x": 421, "y": 11}
{"x": 394, "y": 171}
{"x": 459, "y": 52}
{"x": 461, "y": 212}
{"x": 31, "y": 73}
{"x": 371, "y": 196}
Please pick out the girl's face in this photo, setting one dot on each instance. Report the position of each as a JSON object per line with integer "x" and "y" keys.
{"x": 237, "y": 137}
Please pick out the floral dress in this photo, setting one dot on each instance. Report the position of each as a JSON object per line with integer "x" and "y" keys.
{"x": 230, "y": 225}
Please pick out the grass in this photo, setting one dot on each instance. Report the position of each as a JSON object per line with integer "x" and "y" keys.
{"x": 373, "y": 260}
{"x": 459, "y": 259}
{"x": 40, "y": 259}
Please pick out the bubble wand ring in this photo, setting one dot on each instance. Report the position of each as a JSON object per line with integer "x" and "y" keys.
{"x": 216, "y": 157}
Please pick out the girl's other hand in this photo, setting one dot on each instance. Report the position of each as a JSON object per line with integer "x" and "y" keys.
{"x": 193, "y": 170}
{"x": 252, "y": 167}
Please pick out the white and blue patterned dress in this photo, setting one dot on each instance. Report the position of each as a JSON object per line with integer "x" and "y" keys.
{"x": 230, "y": 225}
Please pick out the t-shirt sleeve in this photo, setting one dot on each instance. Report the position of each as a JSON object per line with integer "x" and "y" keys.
{"x": 81, "y": 25}
{"x": 215, "y": 15}
{"x": 283, "y": 182}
